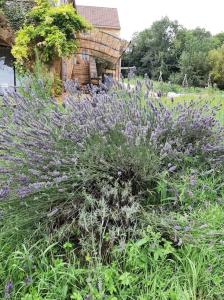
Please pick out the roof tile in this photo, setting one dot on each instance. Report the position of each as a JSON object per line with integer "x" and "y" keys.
{"x": 100, "y": 16}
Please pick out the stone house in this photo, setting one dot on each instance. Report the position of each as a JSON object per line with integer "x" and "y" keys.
{"x": 99, "y": 53}
{"x": 101, "y": 46}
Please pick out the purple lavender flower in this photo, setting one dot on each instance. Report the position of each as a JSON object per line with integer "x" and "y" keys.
{"x": 23, "y": 192}
{"x": 193, "y": 181}
{"x": 4, "y": 192}
{"x": 177, "y": 227}
{"x": 8, "y": 289}
{"x": 190, "y": 193}
{"x": 37, "y": 186}
{"x": 61, "y": 179}
{"x": 187, "y": 228}
{"x": 24, "y": 180}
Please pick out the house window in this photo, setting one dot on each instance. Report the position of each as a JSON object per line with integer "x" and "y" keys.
{"x": 7, "y": 71}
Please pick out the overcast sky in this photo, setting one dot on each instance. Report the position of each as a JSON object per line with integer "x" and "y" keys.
{"x": 138, "y": 15}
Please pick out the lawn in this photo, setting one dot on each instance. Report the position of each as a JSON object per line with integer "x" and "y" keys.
{"x": 212, "y": 96}
{"x": 116, "y": 198}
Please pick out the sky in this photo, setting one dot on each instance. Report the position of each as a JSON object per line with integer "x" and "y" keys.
{"x": 137, "y": 15}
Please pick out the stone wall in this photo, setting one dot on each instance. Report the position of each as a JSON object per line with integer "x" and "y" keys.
{"x": 6, "y": 33}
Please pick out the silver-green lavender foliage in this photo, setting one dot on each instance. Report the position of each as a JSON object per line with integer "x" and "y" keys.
{"x": 42, "y": 170}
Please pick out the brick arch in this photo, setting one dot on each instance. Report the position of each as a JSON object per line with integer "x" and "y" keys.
{"x": 101, "y": 44}
{"x": 94, "y": 44}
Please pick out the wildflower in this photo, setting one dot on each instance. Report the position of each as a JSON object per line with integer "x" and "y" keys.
{"x": 190, "y": 194}
{"x": 4, "y": 192}
{"x": 88, "y": 258}
{"x": 187, "y": 228}
{"x": 37, "y": 186}
{"x": 61, "y": 179}
{"x": 177, "y": 227}
{"x": 8, "y": 289}
{"x": 23, "y": 192}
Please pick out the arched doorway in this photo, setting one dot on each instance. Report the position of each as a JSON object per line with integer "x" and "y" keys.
{"x": 94, "y": 45}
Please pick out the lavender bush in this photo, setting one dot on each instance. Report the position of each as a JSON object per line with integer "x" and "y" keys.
{"x": 90, "y": 166}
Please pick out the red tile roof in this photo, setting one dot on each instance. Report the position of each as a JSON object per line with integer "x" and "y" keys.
{"x": 100, "y": 16}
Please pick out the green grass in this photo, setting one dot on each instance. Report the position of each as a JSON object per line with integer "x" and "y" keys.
{"x": 212, "y": 96}
{"x": 150, "y": 268}
{"x": 170, "y": 87}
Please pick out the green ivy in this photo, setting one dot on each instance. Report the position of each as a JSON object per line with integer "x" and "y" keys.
{"x": 15, "y": 11}
{"x": 1, "y": 3}
{"x": 50, "y": 30}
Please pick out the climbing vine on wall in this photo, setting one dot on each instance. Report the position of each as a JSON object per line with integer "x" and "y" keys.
{"x": 15, "y": 11}
{"x": 50, "y": 30}
{"x": 1, "y": 3}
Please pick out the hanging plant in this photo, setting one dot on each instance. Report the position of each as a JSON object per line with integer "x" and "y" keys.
{"x": 49, "y": 29}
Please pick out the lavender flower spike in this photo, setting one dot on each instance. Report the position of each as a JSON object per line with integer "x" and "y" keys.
{"x": 4, "y": 192}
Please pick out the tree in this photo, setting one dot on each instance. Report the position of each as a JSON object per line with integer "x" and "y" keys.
{"x": 169, "y": 48}
{"x": 216, "y": 61}
{"x": 154, "y": 50}
{"x": 194, "y": 58}
{"x": 219, "y": 39}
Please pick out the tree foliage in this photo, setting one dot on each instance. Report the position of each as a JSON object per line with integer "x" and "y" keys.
{"x": 153, "y": 50}
{"x": 15, "y": 11}
{"x": 49, "y": 29}
{"x": 169, "y": 48}
{"x": 194, "y": 58}
{"x": 216, "y": 61}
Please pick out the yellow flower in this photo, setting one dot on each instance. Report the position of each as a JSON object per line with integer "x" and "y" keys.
{"x": 88, "y": 258}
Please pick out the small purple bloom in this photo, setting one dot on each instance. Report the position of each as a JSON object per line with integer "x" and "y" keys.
{"x": 177, "y": 227}
{"x": 37, "y": 186}
{"x": 4, "y": 192}
{"x": 193, "y": 181}
{"x": 190, "y": 194}
{"x": 187, "y": 228}
{"x": 8, "y": 289}
{"x": 23, "y": 192}
{"x": 61, "y": 179}
{"x": 23, "y": 179}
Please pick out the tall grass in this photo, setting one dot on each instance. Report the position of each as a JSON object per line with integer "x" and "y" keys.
{"x": 150, "y": 268}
